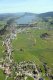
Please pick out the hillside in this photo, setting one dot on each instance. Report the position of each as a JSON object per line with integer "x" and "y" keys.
{"x": 47, "y": 14}
{"x": 26, "y": 46}
{"x": 25, "y": 18}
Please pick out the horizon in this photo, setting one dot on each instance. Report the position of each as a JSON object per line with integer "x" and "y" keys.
{"x": 24, "y": 12}
{"x": 31, "y": 6}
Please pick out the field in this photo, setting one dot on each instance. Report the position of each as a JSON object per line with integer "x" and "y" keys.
{"x": 2, "y": 23}
{"x": 33, "y": 44}
{"x": 29, "y": 46}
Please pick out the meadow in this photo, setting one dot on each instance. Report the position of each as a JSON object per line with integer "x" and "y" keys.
{"x": 29, "y": 46}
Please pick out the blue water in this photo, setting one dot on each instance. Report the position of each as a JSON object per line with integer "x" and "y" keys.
{"x": 26, "y": 19}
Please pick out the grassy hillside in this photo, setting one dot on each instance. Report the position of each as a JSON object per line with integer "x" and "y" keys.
{"x": 29, "y": 46}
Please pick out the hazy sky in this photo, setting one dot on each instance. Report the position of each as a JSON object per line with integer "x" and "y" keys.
{"x": 34, "y": 6}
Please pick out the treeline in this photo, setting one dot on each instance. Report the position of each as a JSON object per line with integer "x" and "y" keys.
{"x": 3, "y": 30}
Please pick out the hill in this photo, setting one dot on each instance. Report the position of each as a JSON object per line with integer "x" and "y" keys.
{"x": 47, "y": 14}
{"x": 24, "y": 18}
{"x": 26, "y": 49}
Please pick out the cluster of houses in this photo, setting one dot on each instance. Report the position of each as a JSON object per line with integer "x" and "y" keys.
{"x": 21, "y": 70}
{"x": 25, "y": 69}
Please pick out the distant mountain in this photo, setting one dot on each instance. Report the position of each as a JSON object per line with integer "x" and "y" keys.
{"x": 47, "y": 14}
{"x": 4, "y": 16}
{"x": 24, "y": 18}
{"x": 19, "y": 18}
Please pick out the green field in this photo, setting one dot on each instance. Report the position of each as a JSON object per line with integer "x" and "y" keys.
{"x": 29, "y": 78}
{"x": 29, "y": 46}
{"x": 33, "y": 47}
{"x": 2, "y": 76}
{"x": 1, "y": 48}
{"x": 2, "y": 23}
